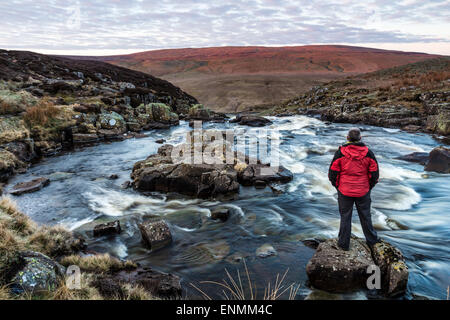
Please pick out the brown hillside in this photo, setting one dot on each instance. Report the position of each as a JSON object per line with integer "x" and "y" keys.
{"x": 234, "y": 78}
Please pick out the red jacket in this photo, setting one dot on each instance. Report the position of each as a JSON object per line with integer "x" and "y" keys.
{"x": 354, "y": 170}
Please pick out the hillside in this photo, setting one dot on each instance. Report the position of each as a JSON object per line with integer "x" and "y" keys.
{"x": 234, "y": 78}
{"x": 49, "y": 104}
{"x": 413, "y": 97}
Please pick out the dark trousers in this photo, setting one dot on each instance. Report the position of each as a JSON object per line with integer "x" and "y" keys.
{"x": 346, "y": 209}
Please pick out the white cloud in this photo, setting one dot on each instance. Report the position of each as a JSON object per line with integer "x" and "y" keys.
{"x": 132, "y": 25}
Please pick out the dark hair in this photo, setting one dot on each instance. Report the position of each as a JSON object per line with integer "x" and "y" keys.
{"x": 354, "y": 135}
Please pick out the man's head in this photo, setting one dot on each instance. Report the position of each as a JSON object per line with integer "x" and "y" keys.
{"x": 354, "y": 135}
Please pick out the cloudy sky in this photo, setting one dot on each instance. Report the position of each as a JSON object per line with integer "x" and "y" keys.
{"x": 124, "y": 26}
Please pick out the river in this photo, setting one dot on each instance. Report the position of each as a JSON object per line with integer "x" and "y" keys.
{"x": 410, "y": 208}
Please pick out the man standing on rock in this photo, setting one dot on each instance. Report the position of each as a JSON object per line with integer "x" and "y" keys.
{"x": 354, "y": 172}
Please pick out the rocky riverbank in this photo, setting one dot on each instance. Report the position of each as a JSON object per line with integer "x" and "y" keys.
{"x": 414, "y": 97}
{"x": 50, "y": 104}
{"x": 34, "y": 263}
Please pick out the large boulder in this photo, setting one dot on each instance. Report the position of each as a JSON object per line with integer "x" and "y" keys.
{"x": 333, "y": 269}
{"x": 160, "y": 173}
{"x": 155, "y": 234}
{"x": 163, "y": 113}
{"x": 38, "y": 273}
{"x": 112, "y": 121}
{"x": 439, "y": 160}
{"x": 30, "y": 186}
{"x": 252, "y": 121}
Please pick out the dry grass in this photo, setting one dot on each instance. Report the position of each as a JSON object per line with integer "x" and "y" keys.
{"x": 426, "y": 80}
{"x": 4, "y": 293}
{"x": 100, "y": 263}
{"x": 240, "y": 288}
{"x": 13, "y": 102}
{"x": 41, "y": 113}
{"x": 12, "y": 129}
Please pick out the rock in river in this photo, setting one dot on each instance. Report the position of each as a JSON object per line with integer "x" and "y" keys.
{"x": 155, "y": 233}
{"x": 335, "y": 270}
{"x": 266, "y": 250}
{"x": 419, "y": 157}
{"x": 30, "y": 186}
{"x": 112, "y": 227}
{"x": 439, "y": 160}
{"x": 252, "y": 121}
{"x": 160, "y": 173}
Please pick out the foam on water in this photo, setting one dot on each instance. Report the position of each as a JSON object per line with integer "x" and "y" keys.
{"x": 391, "y": 172}
{"x": 115, "y": 203}
{"x": 397, "y": 197}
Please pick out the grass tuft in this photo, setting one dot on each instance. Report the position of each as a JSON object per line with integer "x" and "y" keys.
{"x": 240, "y": 288}
{"x": 41, "y": 113}
{"x": 100, "y": 263}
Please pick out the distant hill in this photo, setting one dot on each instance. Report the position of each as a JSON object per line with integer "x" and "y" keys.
{"x": 233, "y": 78}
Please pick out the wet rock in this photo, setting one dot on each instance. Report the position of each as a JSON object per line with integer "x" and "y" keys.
{"x": 419, "y": 157}
{"x": 312, "y": 243}
{"x": 81, "y": 138}
{"x": 38, "y": 273}
{"x": 160, "y": 141}
{"x": 113, "y": 177}
{"x": 263, "y": 175}
{"x": 158, "y": 284}
{"x": 126, "y": 184}
{"x": 221, "y": 214}
{"x": 265, "y": 251}
{"x": 393, "y": 268}
{"x": 260, "y": 184}
{"x": 155, "y": 234}
{"x": 30, "y": 186}
{"x": 253, "y": 121}
{"x": 439, "y": 160}
{"x": 335, "y": 270}
{"x": 199, "y": 112}
{"x": 159, "y": 173}
{"x": 108, "y": 228}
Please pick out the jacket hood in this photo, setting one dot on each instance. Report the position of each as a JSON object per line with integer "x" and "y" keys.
{"x": 355, "y": 151}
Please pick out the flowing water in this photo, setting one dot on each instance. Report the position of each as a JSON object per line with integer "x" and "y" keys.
{"x": 410, "y": 208}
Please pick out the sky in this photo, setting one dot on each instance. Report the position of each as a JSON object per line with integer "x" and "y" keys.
{"x": 101, "y": 27}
